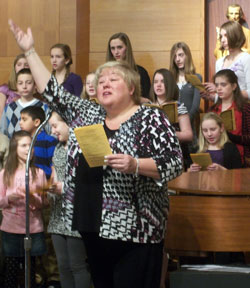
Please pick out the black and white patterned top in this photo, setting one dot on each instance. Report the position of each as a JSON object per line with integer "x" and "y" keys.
{"x": 56, "y": 222}
{"x": 133, "y": 208}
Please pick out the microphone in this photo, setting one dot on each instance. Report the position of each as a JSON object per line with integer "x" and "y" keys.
{"x": 27, "y": 238}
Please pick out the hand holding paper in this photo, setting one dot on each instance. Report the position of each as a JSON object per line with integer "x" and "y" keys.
{"x": 94, "y": 144}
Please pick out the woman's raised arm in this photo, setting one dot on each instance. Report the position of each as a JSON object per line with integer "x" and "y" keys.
{"x": 26, "y": 42}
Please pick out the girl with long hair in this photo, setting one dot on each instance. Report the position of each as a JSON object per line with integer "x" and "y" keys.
{"x": 8, "y": 92}
{"x": 12, "y": 202}
{"x": 89, "y": 91}
{"x": 214, "y": 140}
{"x": 183, "y": 69}
{"x": 120, "y": 49}
{"x": 61, "y": 59}
{"x": 164, "y": 90}
{"x": 232, "y": 38}
{"x": 230, "y": 97}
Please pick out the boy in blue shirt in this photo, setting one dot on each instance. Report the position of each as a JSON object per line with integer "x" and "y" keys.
{"x": 31, "y": 118}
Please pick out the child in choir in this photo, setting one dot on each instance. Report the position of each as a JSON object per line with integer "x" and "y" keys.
{"x": 230, "y": 97}
{"x": 8, "y": 91}
{"x": 89, "y": 91}
{"x": 182, "y": 67}
{"x": 214, "y": 140}
{"x": 61, "y": 59}
{"x": 31, "y": 118}
{"x": 69, "y": 247}
{"x": 12, "y": 112}
{"x": 120, "y": 49}
{"x": 164, "y": 90}
{"x": 12, "y": 203}
{"x": 232, "y": 39}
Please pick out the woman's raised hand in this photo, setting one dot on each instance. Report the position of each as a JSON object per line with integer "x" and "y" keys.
{"x": 24, "y": 40}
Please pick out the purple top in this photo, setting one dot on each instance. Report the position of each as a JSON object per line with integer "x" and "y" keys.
{"x": 73, "y": 84}
{"x": 217, "y": 156}
{"x": 10, "y": 94}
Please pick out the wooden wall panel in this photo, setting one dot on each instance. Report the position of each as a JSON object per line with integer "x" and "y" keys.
{"x": 152, "y": 26}
{"x": 52, "y": 21}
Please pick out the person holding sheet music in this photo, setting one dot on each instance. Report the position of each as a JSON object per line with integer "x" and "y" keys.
{"x": 182, "y": 66}
{"x": 119, "y": 208}
{"x": 164, "y": 90}
{"x": 230, "y": 97}
{"x": 214, "y": 140}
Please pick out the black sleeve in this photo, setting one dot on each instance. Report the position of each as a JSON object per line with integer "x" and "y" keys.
{"x": 232, "y": 158}
{"x": 145, "y": 81}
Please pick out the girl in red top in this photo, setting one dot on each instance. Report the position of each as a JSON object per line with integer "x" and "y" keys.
{"x": 230, "y": 97}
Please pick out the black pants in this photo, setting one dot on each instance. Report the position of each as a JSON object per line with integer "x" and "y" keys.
{"x": 120, "y": 264}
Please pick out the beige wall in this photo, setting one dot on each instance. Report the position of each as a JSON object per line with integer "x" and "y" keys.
{"x": 152, "y": 26}
{"x": 52, "y": 21}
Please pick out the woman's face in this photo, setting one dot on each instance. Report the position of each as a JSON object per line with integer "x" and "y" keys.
{"x": 90, "y": 89}
{"x": 159, "y": 86}
{"x": 21, "y": 64}
{"x": 223, "y": 39}
{"x": 211, "y": 131}
{"x": 180, "y": 58}
{"x": 118, "y": 49}
{"x": 57, "y": 59}
{"x": 59, "y": 128}
{"x": 224, "y": 88}
{"x": 113, "y": 91}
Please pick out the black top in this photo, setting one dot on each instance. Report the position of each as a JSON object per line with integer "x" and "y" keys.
{"x": 89, "y": 180}
{"x": 145, "y": 81}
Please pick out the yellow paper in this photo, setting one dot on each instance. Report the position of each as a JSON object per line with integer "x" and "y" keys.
{"x": 93, "y": 143}
{"x": 169, "y": 108}
{"x": 195, "y": 81}
{"x": 171, "y": 111}
{"x": 228, "y": 119}
{"x": 202, "y": 159}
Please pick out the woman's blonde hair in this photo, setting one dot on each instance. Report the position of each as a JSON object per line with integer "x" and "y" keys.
{"x": 203, "y": 145}
{"x": 12, "y": 78}
{"x": 189, "y": 67}
{"x": 130, "y": 76}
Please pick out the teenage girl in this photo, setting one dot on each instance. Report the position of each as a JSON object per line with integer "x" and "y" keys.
{"x": 164, "y": 90}
{"x": 214, "y": 140}
{"x": 12, "y": 202}
{"x": 232, "y": 38}
{"x": 61, "y": 59}
{"x": 120, "y": 49}
{"x": 230, "y": 97}
{"x": 89, "y": 91}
